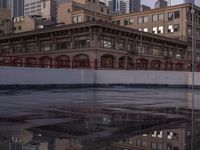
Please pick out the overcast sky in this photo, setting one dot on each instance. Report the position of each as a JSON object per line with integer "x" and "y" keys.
{"x": 151, "y": 2}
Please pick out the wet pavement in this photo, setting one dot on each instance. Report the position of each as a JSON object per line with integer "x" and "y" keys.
{"x": 98, "y": 119}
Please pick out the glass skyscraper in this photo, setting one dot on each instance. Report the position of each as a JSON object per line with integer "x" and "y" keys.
{"x": 17, "y": 8}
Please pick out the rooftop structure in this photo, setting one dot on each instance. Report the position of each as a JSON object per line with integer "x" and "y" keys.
{"x": 30, "y": 23}
{"x": 77, "y": 11}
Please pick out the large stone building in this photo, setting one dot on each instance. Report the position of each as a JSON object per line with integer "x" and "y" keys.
{"x": 174, "y": 22}
{"x": 45, "y": 8}
{"x": 95, "y": 45}
{"x": 76, "y": 11}
{"x": 5, "y": 21}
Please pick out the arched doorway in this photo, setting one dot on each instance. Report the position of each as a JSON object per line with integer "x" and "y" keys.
{"x": 31, "y": 62}
{"x": 189, "y": 67}
{"x": 156, "y": 64}
{"x": 107, "y": 61}
{"x": 46, "y": 62}
{"x": 18, "y": 62}
{"x": 4, "y": 62}
{"x": 198, "y": 68}
{"x": 130, "y": 63}
{"x": 81, "y": 61}
{"x": 62, "y": 61}
{"x": 179, "y": 66}
{"x": 122, "y": 63}
{"x": 142, "y": 64}
{"x": 169, "y": 65}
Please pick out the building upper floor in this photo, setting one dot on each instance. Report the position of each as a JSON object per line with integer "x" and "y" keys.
{"x": 173, "y": 21}
{"x": 76, "y": 11}
{"x": 5, "y": 21}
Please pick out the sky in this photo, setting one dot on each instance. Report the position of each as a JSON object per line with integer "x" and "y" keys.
{"x": 151, "y": 2}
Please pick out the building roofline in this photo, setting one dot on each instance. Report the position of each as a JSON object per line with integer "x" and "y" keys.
{"x": 156, "y": 10}
{"x": 90, "y": 24}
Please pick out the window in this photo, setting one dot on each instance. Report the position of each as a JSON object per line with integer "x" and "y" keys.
{"x": 144, "y": 143}
{"x": 107, "y": 44}
{"x": 170, "y": 16}
{"x": 79, "y": 18}
{"x": 155, "y": 30}
{"x": 101, "y": 9}
{"x": 154, "y": 145}
{"x": 145, "y": 29}
{"x": 161, "y": 17}
{"x": 1, "y": 23}
{"x": 126, "y": 23}
{"x": 117, "y": 22}
{"x": 138, "y": 142}
{"x": 155, "y": 18}
{"x": 160, "y": 29}
{"x": 140, "y": 20}
{"x": 170, "y": 28}
{"x": 131, "y": 21}
{"x": 62, "y": 44}
{"x": 145, "y": 19}
{"x": 159, "y": 146}
{"x": 46, "y": 46}
{"x": 19, "y": 27}
{"x": 189, "y": 31}
{"x": 81, "y": 42}
{"x": 176, "y": 27}
{"x": 76, "y": 19}
{"x": 177, "y": 14}
{"x": 121, "y": 44}
{"x": 172, "y": 136}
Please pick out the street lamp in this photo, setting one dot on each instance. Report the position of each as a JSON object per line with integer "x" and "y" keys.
{"x": 193, "y": 74}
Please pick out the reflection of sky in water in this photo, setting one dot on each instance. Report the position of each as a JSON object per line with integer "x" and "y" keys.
{"x": 12, "y": 101}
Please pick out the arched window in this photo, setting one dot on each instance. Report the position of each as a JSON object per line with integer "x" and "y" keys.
{"x": 142, "y": 64}
{"x": 31, "y": 62}
{"x": 107, "y": 61}
{"x": 46, "y": 62}
{"x": 18, "y": 62}
{"x": 169, "y": 65}
{"x": 81, "y": 61}
{"x": 62, "y": 61}
{"x": 156, "y": 64}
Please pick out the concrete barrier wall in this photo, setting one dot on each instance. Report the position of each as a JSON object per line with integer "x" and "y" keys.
{"x": 141, "y": 77}
{"x": 40, "y": 76}
{"x": 197, "y": 78}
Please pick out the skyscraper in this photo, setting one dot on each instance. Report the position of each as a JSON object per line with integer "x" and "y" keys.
{"x": 177, "y": 2}
{"x": 117, "y": 6}
{"x": 160, "y": 4}
{"x": 134, "y": 5}
{"x": 17, "y": 7}
{"x": 44, "y": 8}
{"x": 3, "y": 3}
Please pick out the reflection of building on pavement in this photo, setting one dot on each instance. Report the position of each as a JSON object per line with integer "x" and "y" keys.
{"x": 170, "y": 139}
{"x": 95, "y": 128}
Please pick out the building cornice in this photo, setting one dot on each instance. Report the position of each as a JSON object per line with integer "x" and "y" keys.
{"x": 98, "y": 24}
